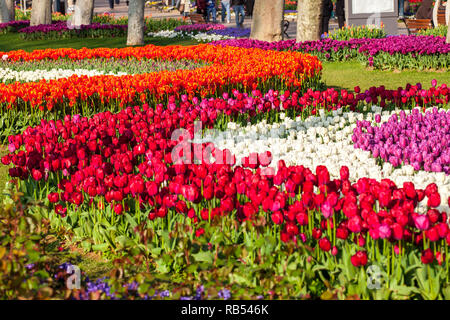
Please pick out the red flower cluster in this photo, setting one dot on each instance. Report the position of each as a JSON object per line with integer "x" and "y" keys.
{"x": 359, "y": 259}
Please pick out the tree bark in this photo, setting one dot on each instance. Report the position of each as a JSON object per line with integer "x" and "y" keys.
{"x": 448, "y": 33}
{"x": 308, "y": 20}
{"x": 84, "y": 11}
{"x": 447, "y": 13}
{"x": 267, "y": 20}
{"x": 135, "y": 36}
{"x": 41, "y": 12}
{"x": 435, "y": 12}
{"x": 7, "y": 11}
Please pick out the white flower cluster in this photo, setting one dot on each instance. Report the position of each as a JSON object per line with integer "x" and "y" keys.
{"x": 200, "y": 37}
{"x": 324, "y": 140}
{"x": 205, "y": 37}
{"x": 165, "y": 34}
{"x": 9, "y": 75}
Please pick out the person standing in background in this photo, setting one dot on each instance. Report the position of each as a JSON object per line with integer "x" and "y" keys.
{"x": 407, "y": 8}
{"x": 211, "y": 10}
{"x": 111, "y": 3}
{"x": 186, "y": 4}
{"x": 340, "y": 13}
{"x": 326, "y": 10}
{"x": 249, "y": 7}
{"x": 226, "y": 9}
{"x": 401, "y": 9}
{"x": 238, "y": 7}
{"x": 201, "y": 7}
{"x": 57, "y": 6}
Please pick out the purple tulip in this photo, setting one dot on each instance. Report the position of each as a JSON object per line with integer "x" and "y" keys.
{"x": 416, "y": 139}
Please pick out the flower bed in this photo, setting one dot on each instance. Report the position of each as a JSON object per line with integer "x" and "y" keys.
{"x": 203, "y": 32}
{"x": 415, "y": 139}
{"x": 63, "y": 30}
{"x": 229, "y": 66}
{"x": 10, "y": 76}
{"x": 26, "y": 71}
{"x": 358, "y": 32}
{"x": 13, "y": 26}
{"x": 108, "y": 175}
{"x": 124, "y": 170}
{"x": 104, "y": 25}
{"x": 396, "y": 52}
{"x": 200, "y": 27}
{"x": 198, "y": 36}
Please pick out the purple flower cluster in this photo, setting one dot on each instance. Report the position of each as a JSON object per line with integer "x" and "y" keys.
{"x": 323, "y": 46}
{"x": 401, "y": 44}
{"x": 251, "y": 43}
{"x": 420, "y": 45}
{"x": 15, "y": 24}
{"x": 200, "y": 27}
{"x": 232, "y": 32}
{"x": 63, "y": 26}
{"x": 421, "y": 140}
{"x": 198, "y": 294}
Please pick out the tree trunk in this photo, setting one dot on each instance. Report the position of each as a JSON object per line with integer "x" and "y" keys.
{"x": 41, "y": 12}
{"x": 267, "y": 20}
{"x": 7, "y": 11}
{"x": 308, "y": 20}
{"x": 84, "y": 11}
{"x": 447, "y": 13}
{"x": 136, "y": 23}
{"x": 435, "y": 12}
{"x": 448, "y": 33}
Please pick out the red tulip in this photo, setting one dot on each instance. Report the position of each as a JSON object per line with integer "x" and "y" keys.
{"x": 434, "y": 200}
{"x": 118, "y": 208}
{"x": 427, "y": 256}
{"x": 277, "y": 218}
{"x": 344, "y": 173}
{"x": 334, "y": 251}
{"x": 359, "y": 259}
{"x": 60, "y": 210}
{"x": 325, "y": 244}
{"x": 316, "y": 233}
{"x": 53, "y": 197}
{"x": 432, "y": 234}
{"x": 341, "y": 233}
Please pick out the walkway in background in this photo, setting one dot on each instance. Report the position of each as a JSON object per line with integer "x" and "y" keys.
{"x": 121, "y": 9}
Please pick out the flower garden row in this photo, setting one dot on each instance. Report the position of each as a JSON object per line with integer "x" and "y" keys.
{"x": 63, "y": 30}
{"x": 395, "y": 52}
{"x": 33, "y": 71}
{"x": 101, "y": 28}
{"x": 223, "y": 68}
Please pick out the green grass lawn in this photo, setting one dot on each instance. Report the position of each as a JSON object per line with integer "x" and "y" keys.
{"x": 347, "y": 75}
{"x": 12, "y": 41}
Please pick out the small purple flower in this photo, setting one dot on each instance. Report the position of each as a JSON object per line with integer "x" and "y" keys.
{"x": 224, "y": 294}
{"x": 164, "y": 294}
